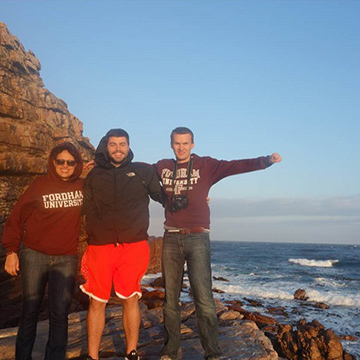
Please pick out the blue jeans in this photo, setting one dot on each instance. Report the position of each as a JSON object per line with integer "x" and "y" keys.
{"x": 195, "y": 250}
{"x": 38, "y": 270}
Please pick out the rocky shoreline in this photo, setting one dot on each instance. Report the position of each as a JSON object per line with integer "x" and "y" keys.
{"x": 242, "y": 334}
{"x": 303, "y": 340}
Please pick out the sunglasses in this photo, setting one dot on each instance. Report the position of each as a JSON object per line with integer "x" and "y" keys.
{"x": 61, "y": 162}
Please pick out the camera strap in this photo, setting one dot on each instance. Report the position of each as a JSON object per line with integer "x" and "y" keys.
{"x": 189, "y": 169}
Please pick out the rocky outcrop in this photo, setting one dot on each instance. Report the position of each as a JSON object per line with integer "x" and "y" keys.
{"x": 303, "y": 341}
{"x": 309, "y": 341}
{"x": 300, "y": 294}
{"x": 238, "y": 339}
{"x": 241, "y": 334}
{"x": 155, "y": 245}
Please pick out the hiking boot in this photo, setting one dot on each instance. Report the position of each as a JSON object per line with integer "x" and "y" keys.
{"x": 166, "y": 357}
{"x": 133, "y": 355}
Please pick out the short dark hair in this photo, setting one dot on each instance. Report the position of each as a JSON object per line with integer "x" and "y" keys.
{"x": 70, "y": 148}
{"x": 181, "y": 130}
{"x": 117, "y": 133}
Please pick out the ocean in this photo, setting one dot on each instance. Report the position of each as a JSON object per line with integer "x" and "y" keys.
{"x": 272, "y": 272}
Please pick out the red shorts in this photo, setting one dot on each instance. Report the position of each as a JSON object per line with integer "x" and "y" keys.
{"x": 123, "y": 265}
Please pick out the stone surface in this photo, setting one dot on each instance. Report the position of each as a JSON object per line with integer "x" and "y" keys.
{"x": 320, "y": 305}
{"x": 308, "y": 341}
{"x": 155, "y": 244}
{"x": 260, "y": 320}
{"x": 238, "y": 339}
{"x": 300, "y": 294}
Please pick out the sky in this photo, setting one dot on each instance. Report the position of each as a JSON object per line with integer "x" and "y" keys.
{"x": 248, "y": 77}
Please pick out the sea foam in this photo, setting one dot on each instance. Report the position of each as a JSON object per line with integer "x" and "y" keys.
{"x": 334, "y": 299}
{"x": 260, "y": 292}
{"x": 314, "y": 263}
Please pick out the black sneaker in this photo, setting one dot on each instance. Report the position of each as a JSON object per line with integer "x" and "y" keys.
{"x": 133, "y": 355}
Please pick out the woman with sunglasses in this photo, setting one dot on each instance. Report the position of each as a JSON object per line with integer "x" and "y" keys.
{"x": 46, "y": 220}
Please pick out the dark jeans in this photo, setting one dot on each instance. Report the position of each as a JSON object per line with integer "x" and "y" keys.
{"x": 195, "y": 250}
{"x": 37, "y": 270}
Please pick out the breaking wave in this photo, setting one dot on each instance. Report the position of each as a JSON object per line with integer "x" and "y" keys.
{"x": 334, "y": 299}
{"x": 314, "y": 263}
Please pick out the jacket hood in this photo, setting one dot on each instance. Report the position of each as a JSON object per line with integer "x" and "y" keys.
{"x": 102, "y": 157}
{"x": 74, "y": 152}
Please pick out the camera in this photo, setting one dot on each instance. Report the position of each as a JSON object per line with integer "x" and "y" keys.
{"x": 178, "y": 203}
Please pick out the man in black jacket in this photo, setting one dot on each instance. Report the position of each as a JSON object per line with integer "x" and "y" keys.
{"x": 116, "y": 204}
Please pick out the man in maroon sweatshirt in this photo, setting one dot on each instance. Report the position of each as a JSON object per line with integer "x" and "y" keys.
{"x": 186, "y": 182}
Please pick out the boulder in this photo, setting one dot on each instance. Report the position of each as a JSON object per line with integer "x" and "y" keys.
{"x": 321, "y": 305}
{"x": 300, "y": 294}
{"x": 308, "y": 341}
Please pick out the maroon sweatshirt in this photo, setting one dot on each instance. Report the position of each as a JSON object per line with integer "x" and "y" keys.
{"x": 205, "y": 172}
{"x": 46, "y": 218}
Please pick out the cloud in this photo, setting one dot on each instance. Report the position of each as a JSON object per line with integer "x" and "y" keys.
{"x": 313, "y": 220}
{"x": 331, "y": 208}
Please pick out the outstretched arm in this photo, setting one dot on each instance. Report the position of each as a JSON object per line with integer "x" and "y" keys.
{"x": 223, "y": 168}
{"x": 274, "y": 158}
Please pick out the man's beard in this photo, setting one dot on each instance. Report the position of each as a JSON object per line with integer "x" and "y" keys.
{"x": 118, "y": 162}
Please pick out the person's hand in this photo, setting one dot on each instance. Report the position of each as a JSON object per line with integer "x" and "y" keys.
{"x": 12, "y": 264}
{"x": 89, "y": 165}
{"x": 208, "y": 200}
{"x": 275, "y": 158}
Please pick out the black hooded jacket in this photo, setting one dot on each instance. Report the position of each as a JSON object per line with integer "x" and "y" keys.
{"x": 116, "y": 199}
